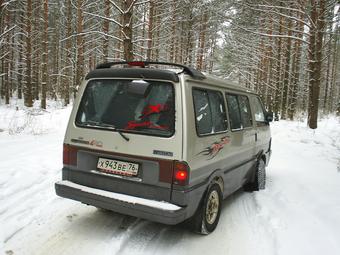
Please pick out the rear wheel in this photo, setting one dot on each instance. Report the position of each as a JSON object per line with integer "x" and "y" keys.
{"x": 207, "y": 216}
{"x": 259, "y": 181}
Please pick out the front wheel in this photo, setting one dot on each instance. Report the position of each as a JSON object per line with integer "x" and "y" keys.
{"x": 207, "y": 216}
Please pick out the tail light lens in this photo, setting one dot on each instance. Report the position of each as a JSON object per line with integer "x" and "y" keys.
{"x": 181, "y": 173}
{"x": 137, "y": 63}
{"x": 69, "y": 155}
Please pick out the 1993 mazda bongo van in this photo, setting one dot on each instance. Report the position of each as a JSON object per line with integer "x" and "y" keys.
{"x": 163, "y": 145}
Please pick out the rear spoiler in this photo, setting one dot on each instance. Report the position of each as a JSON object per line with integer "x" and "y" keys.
{"x": 186, "y": 69}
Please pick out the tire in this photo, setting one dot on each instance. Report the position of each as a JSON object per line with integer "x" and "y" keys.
{"x": 259, "y": 182}
{"x": 208, "y": 213}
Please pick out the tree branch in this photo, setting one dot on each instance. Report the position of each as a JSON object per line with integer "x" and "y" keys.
{"x": 105, "y": 18}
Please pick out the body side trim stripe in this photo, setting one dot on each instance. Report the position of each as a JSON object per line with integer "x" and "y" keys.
{"x": 239, "y": 165}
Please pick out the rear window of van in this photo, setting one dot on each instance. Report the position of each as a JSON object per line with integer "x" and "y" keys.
{"x": 108, "y": 104}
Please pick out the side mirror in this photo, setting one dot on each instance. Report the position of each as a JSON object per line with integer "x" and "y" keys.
{"x": 139, "y": 88}
{"x": 269, "y": 116}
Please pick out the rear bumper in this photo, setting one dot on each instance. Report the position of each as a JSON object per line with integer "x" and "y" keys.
{"x": 152, "y": 210}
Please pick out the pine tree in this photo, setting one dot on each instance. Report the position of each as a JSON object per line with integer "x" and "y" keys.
{"x": 44, "y": 57}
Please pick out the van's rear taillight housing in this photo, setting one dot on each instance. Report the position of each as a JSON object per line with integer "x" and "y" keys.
{"x": 181, "y": 173}
{"x": 69, "y": 155}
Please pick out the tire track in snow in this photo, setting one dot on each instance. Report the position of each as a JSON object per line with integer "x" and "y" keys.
{"x": 139, "y": 236}
{"x": 90, "y": 231}
{"x": 255, "y": 230}
{"x": 26, "y": 191}
{"x": 28, "y": 210}
{"x": 265, "y": 222}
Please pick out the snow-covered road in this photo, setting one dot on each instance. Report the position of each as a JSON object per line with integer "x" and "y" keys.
{"x": 298, "y": 213}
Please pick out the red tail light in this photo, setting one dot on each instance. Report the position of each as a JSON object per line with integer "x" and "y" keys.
{"x": 69, "y": 155}
{"x": 181, "y": 173}
{"x": 137, "y": 63}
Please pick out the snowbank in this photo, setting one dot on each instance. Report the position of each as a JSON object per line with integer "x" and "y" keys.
{"x": 31, "y": 151}
{"x": 18, "y": 119}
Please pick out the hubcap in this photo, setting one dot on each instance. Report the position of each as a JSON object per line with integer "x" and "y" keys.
{"x": 212, "y": 207}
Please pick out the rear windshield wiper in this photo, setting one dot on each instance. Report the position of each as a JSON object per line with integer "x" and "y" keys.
{"x": 100, "y": 124}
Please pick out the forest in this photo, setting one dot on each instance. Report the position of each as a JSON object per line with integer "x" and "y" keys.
{"x": 287, "y": 51}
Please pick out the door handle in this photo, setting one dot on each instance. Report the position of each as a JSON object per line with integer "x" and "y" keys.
{"x": 255, "y": 137}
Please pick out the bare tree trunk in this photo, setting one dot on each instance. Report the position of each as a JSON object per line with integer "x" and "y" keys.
{"x": 142, "y": 47}
{"x": 188, "y": 45}
{"x": 286, "y": 74}
{"x": 296, "y": 69}
{"x": 328, "y": 70}
{"x": 173, "y": 30}
{"x": 80, "y": 44}
{"x": 54, "y": 81}
{"x": 2, "y": 49}
{"x": 36, "y": 48}
{"x": 106, "y": 26}
{"x": 127, "y": 29}
{"x": 335, "y": 65}
{"x": 69, "y": 64}
{"x": 12, "y": 66}
{"x": 201, "y": 42}
{"x": 260, "y": 72}
{"x": 269, "y": 90}
{"x": 119, "y": 34}
{"x": 21, "y": 48}
{"x": 315, "y": 59}
{"x": 44, "y": 79}
{"x": 1, "y": 10}
{"x": 28, "y": 86}
{"x": 150, "y": 30}
{"x": 156, "y": 51}
{"x": 277, "y": 101}
{"x": 70, "y": 69}
{"x": 6, "y": 62}
{"x": 211, "y": 55}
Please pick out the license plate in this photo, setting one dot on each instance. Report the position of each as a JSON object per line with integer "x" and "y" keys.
{"x": 117, "y": 167}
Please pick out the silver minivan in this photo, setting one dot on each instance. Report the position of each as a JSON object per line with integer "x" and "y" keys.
{"x": 167, "y": 145}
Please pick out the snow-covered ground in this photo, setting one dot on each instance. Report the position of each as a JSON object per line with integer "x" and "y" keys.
{"x": 298, "y": 213}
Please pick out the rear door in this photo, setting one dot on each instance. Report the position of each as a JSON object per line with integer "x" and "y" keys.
{"x": 114, "y": 132}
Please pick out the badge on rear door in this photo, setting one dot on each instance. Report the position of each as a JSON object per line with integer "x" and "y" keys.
{"x": 163, "y": 153}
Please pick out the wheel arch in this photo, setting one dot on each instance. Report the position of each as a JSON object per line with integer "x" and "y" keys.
{"x": 261, "y": 155}
{"x": 216, "y": 177}
{"x": 196, "y": 220}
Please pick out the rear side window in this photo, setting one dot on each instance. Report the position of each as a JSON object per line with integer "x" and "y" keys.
{"x": 234, "y": 112}
{"x": 210, "y": 113}
{"x": 246, "y": 118}
{"x": 239, "y": 111}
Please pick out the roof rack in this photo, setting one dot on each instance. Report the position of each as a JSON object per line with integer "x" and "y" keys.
{"x": 188, "y": 70}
